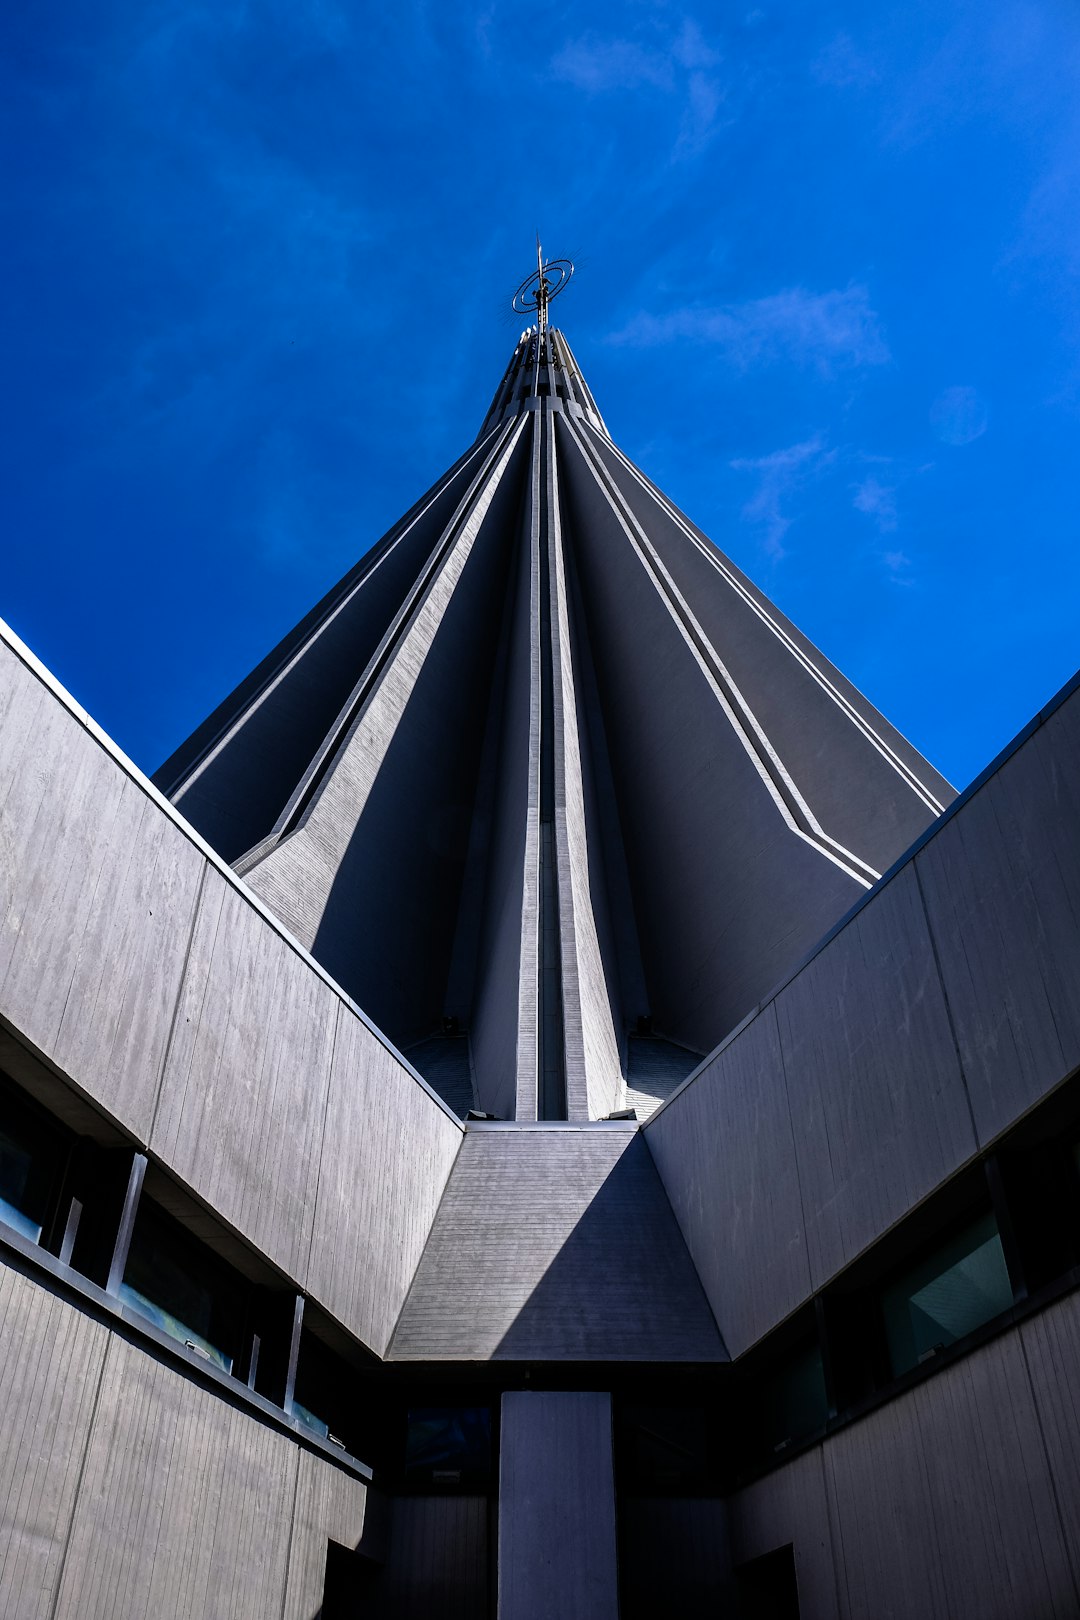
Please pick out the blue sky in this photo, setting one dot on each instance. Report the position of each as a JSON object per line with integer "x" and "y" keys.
{"x": 256, "y": 299}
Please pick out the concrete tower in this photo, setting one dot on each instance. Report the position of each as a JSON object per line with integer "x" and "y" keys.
{"x": 548, "y": 769}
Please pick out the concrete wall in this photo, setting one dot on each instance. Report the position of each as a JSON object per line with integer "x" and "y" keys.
{"x": 143, "y": 970}
{"x": 557, "y": 1555}
{"x": 439, "y": 1561}
{"x": 959, "y": 1499}
{"x": 555, "y": 1244}
{"x": 130, "y": 1492}
{"x": 941, "y": 1011}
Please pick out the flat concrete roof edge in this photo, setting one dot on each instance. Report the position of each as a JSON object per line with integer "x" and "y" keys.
{"x": 42, "y": 673}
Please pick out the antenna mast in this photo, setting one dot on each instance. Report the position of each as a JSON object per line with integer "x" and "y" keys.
{"x": 538, "y": 289}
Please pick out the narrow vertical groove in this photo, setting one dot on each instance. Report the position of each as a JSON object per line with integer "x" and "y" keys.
{"x": 181, "y": 984}
{"x": 90, "y": 1427}
{"x": 292, "y": 1536}
{"x": 932, "y": 937}
{"x": 527, "y": 1097}
{"x": 552, "y": 1078}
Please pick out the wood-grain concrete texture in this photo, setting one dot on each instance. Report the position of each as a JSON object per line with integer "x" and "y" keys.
{"x": 130, "y": 1492}
{"x": 555, "y": 1244}
{"x": 98, "y": 897}
{"x": 958, "y": 1499}
{"x": 148, "y": 975}
{"x": 438, "y": 1561}
{"x": 329, "y": 1505}
{"x": 655, "y": 1068}
{"x": 51, "y": 1360}
{"x": 792, "y": 1507}
{"x": 557, "y": 1552}
{"x": 942, "y": 1009}
{"x": 1002, "y": 890}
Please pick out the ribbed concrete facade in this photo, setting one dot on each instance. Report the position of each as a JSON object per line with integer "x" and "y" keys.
{"x": 548, "y": 794}
{"x": 550, "y": 765}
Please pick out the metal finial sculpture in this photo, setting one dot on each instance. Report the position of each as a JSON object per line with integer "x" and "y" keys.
{"x": 537, "y": 290}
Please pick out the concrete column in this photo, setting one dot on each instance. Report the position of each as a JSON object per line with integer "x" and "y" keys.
{"x": 557, "y": 1508}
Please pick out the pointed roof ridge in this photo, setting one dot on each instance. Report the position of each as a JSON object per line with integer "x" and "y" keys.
{"x": 543, "y": 374}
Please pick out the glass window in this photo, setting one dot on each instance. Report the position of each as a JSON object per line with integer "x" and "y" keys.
{"x": 448, "y": 1445}
{"x": 310, "y": 1419}
{"x": 794, "y": 1402}
{"x": 325, "y": 1396}
{"x": 30, "y": 1163}
{"x": 947, "y": 1295}
{"x": 175, "y": 1282}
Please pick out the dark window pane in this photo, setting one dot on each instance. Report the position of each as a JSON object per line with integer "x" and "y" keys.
{"x": 174, "y": 1281}
{"x": 793, "y": 1399}
{"x": 448, "y": 1445}
{"x": 947, "y": 1295}
{"x": 325, "y": 1396}
{"x": 31, "y": 1161}
{"x": 17, "y": 1203}
{"x": 310, "y": 1419}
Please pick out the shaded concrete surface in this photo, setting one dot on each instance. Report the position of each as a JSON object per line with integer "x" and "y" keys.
{"x": 555, "y": 1243}
{"x": 557, "y": 1549}
{"x": 654, "y": 1069}
{"x": 444, "y": 1063}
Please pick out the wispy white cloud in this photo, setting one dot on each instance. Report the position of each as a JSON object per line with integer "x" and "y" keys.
{"x": 691, "y": 49}
{"x": 595, "y": 64}
{"x": 680, "y": 64}
{"x": 828, "y": 330}
{"x": 877, "y": 501}
{"x": 876, "y": 496}
{"x": 704, "y": 99}
{"x": 897, "y": 566}
{"x": 779, "y": 474}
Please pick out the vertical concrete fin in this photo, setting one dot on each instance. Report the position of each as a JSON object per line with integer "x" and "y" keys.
{"x": 594, "y": 1080}
{"x": 369, "y": 875}
{"x": 557, "y": 1551}
{"x": 503, "y": 1017}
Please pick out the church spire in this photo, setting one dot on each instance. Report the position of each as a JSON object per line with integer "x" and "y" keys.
{"x": 546, "y": 783}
